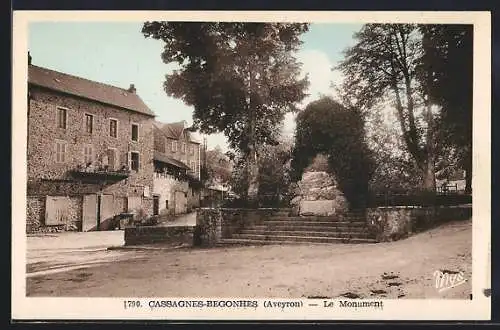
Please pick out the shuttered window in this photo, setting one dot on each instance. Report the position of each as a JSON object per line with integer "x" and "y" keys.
{"x": 111, "y": 159}
{"x": 135, "y": 132}
{"x": 61, "y": 151}
{"x": 62, "y": 118}
{"x": 88, "y": 153}
{"x": 134, "y": 161}
{"x": 113, "y": 128}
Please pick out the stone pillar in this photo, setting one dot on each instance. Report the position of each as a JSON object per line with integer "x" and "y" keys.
{"x": 208, "y": 230}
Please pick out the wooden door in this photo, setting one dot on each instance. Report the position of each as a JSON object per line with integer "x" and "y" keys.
{"x": 107, "y": 212}
{"x": 134, "y": 203}
{"x": 156, "y": 204}
{"x": 56, "y": 210}
{"x": 180, "y": 202}
{"x": 89, "y": 216}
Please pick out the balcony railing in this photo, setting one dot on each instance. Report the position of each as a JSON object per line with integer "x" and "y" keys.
{"x": 100, "y": 173}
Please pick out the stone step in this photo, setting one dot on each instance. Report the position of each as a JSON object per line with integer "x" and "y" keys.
{"x": 314, "y": 227}
{"x": 312, "y": 223}
{"x": 304, "y": 239}
{"x": 315, "y": 218}
{"x": 338, "y": 234}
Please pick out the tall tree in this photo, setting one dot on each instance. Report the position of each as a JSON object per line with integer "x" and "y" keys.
{"x": 384, "y": 64}
{"x": 447, "y": 73}
{"x": 241, "y": 78}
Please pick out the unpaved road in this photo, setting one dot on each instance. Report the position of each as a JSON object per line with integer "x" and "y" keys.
{"x": 402, "y": 269}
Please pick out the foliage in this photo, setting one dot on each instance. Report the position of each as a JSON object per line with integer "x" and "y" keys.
{"x": 218, "y": 167}
{"x": 382, "y": 65}
{"x": 274, "y": 174}
{"x": 447, "y": 73}
{"x": 326, "y": 127}
{"x": 241, "y": 78}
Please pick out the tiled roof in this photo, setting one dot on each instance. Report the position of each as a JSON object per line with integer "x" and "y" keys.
{"x": 174, "y": 130}
{"x": 88, "y": 89}
{"x": 158, "y": 156}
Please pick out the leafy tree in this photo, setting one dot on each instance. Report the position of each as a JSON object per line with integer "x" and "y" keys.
{"x": 384, "y": 64}
{"x": 326, "y": 127}
{"x": 274, "y": 174}
{"x": 241, "y": 78}
{"x": 447, "y": 73}
{"x": 218, "y": 166}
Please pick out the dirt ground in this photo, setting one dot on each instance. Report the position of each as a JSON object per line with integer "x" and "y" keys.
{"x": 402, "y": 269}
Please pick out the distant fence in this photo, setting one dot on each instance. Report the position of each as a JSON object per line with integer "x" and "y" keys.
{"x": 420, "y": 198}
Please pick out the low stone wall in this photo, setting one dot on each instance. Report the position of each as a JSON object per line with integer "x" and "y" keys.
{"x": 159, "y": 234}
{"x": 394, "y": 223}
{"x": 212, "y": 224}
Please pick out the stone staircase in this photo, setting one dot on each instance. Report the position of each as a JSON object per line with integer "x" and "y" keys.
{"x": 283, "y": 228}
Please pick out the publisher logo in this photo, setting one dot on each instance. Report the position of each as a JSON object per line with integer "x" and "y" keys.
{"x": 448, "y": 279}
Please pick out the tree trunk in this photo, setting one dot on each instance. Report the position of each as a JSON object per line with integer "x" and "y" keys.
{"x": 429, "y": 176}
{"x": 252, "y": 163}
{"x": 429, "y": 171}
{"x": 468, "y": 171}
{"x": 253, "y": 176}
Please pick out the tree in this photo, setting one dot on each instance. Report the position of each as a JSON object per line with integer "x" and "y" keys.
{"x": 326, "y": 127}
{"x": 384, "y": 63}
{"x": 274, "y": 174}
{"x": 447, "y": 72}
{"x": 241, "y": 78}
{"x": 218, "y": 167}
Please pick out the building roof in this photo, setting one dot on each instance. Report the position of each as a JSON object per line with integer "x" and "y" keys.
{"x": 175, "y": 130}
{"x": 158, "y": 156}
{"x": 88, "y": 89}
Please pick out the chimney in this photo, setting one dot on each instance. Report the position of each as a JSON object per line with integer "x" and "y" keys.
{"x": 131, "y": 89}
{"x": 29, "y": 58}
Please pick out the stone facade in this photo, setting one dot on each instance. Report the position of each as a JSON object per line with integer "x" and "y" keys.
{"x": 166, "y": 186}
{"x": 183, "y": 149}
{"x": 49, "y": 176}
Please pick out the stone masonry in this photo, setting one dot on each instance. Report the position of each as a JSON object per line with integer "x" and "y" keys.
{"x": 46, "y": 177}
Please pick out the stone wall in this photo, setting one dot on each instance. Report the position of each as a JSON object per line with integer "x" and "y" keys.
{"x": 165, "y": 186}
{"x": 35, "y": 215}
{"x": 216, "y": 223}
{"x": 394, "y": 223}
{"x": 317, "y": 194}
{"x": 173, "y": 235}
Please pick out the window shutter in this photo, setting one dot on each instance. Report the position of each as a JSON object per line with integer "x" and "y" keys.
{"x": 129, "y": 160}
{"x": 63, "y": 154}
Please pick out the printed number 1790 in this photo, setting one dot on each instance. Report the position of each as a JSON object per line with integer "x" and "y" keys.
{"x": 131, "y": 304}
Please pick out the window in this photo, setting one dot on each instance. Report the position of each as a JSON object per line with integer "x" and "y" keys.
{"x": 174, "y": 146}
{"x": 191, "y": 150}
{"x": 111, "y": 159}
{"x": 192, "y": 165}
{"x": 89, "y": 123}
{"x": 61, "y": 151}
{"x": 113, "y": 127}
{"x": 134, "y": 161}
{"x": 183, "y": 148}
{"x": 135, "y": 132}
{"x": 88, "y": 153}
{"x": 62, "y": 117}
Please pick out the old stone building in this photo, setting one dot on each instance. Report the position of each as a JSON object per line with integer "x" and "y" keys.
{"x": 176, "y": 186}
{"x": 90, "y": 152}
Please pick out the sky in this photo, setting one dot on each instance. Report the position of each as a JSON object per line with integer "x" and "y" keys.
{"x": 118, "y": 54}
